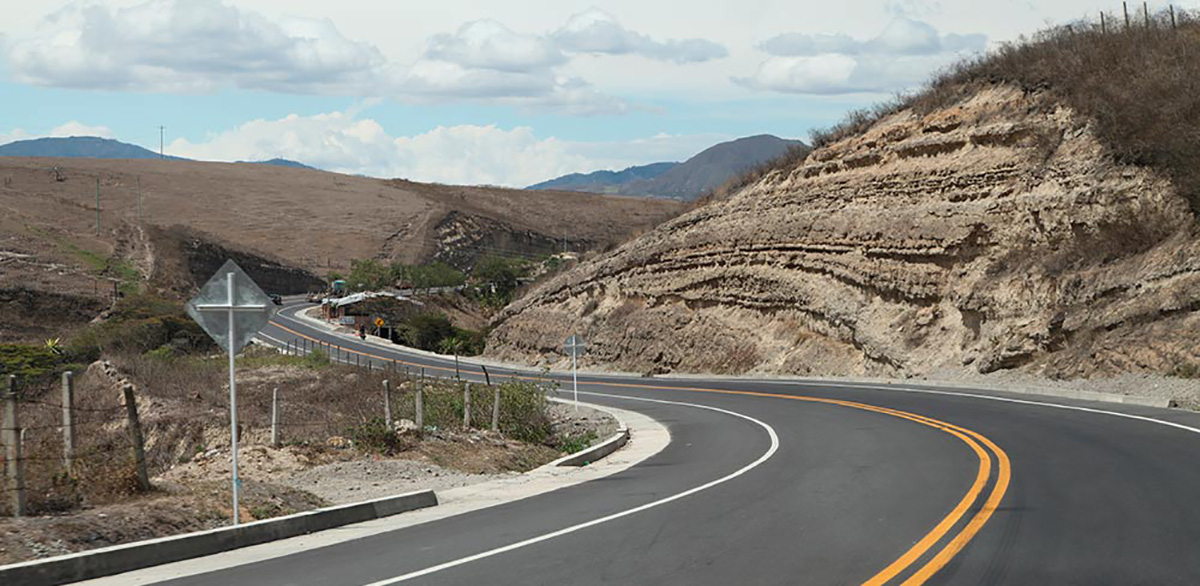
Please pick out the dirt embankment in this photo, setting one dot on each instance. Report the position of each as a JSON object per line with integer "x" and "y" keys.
{"x": 335, "y": 447}
{"x": 991, "y": 234}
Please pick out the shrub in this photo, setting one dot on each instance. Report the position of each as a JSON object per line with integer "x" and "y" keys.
{"x": 1139, "y": 84}
{"x": 27, "y": 361}
{"x": 374, "y": 435}
{"x": 427, "y": 330}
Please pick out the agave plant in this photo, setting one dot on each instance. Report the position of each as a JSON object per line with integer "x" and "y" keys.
{"x": 54, "y": 345}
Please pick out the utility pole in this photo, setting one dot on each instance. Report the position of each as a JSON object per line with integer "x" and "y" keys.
{"x": 139, "y": 196}
{"x": 97, "y": 206}
{"x": 161, "y": 132}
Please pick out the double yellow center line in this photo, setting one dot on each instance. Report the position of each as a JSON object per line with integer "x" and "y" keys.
{"x": 983, "y": 448}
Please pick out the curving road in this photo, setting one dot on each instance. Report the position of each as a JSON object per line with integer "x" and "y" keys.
{"x": 769, "y": 482}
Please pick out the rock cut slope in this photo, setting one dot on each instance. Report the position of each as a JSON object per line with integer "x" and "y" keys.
{"x": 993, "y": 233}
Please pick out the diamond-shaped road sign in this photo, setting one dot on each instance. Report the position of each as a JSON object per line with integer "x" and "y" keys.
{"x": 574, "y": 346}
{"x": 231, "y": 298}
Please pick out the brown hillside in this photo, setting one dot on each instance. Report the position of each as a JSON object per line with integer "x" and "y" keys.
{"x": 276, "y": 221}
{"x": 993, "y": 231}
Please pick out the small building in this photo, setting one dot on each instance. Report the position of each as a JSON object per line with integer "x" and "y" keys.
{"x": 374, "y": 312}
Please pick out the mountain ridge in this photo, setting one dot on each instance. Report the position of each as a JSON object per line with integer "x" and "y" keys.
{"x": 95, "y": 147}
{"x": 688, "y": 180}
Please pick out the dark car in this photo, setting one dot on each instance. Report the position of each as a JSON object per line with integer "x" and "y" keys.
{"x": 276, "y": 299}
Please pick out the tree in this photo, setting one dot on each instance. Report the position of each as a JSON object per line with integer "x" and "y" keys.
{"x": 368, "y": 275}
{"x": 503, "y": 274}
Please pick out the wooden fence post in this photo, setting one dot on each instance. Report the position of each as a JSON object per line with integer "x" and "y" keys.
{"x": 14, "y": 466}
{"x": 1125, "y": 9}
{"x": 466, "y": 405}
{"x": 420, "y": 415}
{"x": 1171, "y": 7}
{"x": 387, "y": 403}
{"x": 135, "y": 433}
{"x": 487, "y": 378}
{"x": 275, "y": 417}
{"x": 496, "y": 409}
{"x": 68, "y": 419}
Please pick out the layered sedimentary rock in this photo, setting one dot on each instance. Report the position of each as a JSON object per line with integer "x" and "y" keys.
{"x": 991, "y": 234}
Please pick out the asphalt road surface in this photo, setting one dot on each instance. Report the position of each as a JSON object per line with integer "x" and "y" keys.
{"x": 768, "y": 482}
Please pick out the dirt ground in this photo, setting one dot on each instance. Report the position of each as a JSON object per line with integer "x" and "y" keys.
{"x": 194, "y": 495}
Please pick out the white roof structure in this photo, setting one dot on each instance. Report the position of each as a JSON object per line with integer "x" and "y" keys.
{"x": 360, "y": 297}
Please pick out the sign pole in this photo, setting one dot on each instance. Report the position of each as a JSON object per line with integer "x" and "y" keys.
{"x": 233, "y": 429}
{"x": 217, "y": 311}
{"x": 575, "y": 376}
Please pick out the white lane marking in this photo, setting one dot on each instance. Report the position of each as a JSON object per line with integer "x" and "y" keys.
{"x": 548, "y": 536}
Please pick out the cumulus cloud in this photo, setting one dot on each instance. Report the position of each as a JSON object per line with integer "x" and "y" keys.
{"x": 902, "y": 55}
{"x": 76, "y": 128}
{"x": 488, "y": 44}
{"x": 598, "y": 32}
{"x": 188, "y": 46}
{"x": 199, "y": 46}
{"x": 462, "y": 154}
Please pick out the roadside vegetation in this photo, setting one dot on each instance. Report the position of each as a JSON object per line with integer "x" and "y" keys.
{"x": 1140, "y": 84}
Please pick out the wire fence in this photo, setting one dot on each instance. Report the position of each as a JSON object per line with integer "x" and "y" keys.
{"x": 77, "y": 441}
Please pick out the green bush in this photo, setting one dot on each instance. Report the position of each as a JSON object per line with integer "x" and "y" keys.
{"x": 374, "y": 435}
{"x": 427, "y": 330}
{"x": 140, "y": 323}
{"x": 27, "y": 361}
{"x": 436, "y": 274}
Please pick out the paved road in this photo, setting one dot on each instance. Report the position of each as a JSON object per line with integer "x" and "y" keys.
{"x": 813, "y": 483}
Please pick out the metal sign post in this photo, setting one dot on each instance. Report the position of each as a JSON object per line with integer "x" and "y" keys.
{"x": 575, "y": 346}
{"x": 231, "y": 309}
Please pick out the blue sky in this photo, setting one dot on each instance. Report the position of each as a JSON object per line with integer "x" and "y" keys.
{"x": 460, "y": 91}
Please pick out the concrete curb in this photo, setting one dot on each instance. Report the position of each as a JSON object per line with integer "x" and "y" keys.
{"x": 600, "y": 450}
{"x": 142, "y": 554}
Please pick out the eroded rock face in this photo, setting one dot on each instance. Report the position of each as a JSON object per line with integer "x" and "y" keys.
{"x": 993, "y": 234}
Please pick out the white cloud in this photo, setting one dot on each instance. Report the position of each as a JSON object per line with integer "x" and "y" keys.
{"x": 902, "y": 55}
{"x": 200, "y": 46}
{"x": 462, "y": 154}
{"x": 487, "y": 44}
{"x": 76, "y": 128}
{"x": 598, "y": 32}
{"x": 13, "y": 136}
{"x": 188, "y": 46}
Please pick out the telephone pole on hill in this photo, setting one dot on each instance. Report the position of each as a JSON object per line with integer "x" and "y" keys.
{"x": 161, "y": 131}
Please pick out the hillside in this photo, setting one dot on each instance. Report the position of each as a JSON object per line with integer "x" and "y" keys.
{"x": 686, "y": 181}
{"x": 291, "y": 220}
{"x": 988, "y": 224}
{"x": 605, "y": 181}
{"x": 94, "y": 147}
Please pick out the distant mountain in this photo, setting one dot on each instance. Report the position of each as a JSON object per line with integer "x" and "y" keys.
{"x": 688, "y": 180}
{"x": 94, "y": 147}
{"x": 280, "y": 163}
{"x": 605, "y": 181}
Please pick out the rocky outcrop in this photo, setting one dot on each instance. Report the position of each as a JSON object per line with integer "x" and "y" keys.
{"x": 993, "y": 234}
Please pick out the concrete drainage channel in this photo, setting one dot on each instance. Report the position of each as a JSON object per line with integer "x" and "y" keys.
{"x": 133, "y": 556}
{"x": 118, "y": 559}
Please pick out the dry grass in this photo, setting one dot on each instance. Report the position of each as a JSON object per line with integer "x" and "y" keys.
{"x": 1140, "y": 86}
{"x": 183, "y": 408}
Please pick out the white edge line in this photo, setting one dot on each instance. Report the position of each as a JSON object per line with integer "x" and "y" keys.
{"x": 1003, "y": 399}
{"x": 567, "y": 530}
{"x": 903, "y": 389}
